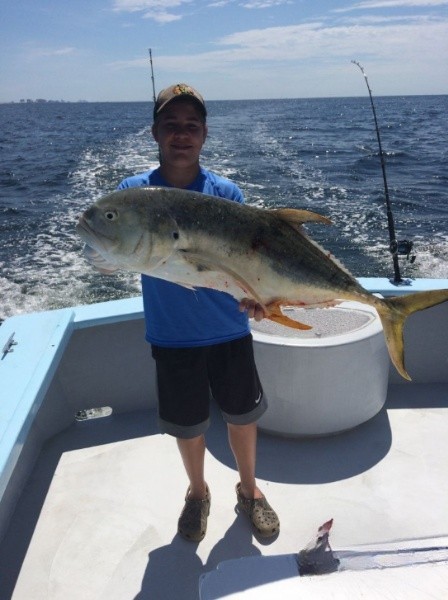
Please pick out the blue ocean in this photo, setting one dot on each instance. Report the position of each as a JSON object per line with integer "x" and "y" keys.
{"x": 318, "y": 154}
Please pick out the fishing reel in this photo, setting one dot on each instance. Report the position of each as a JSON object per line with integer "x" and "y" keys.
{"x": 403, "y": 248}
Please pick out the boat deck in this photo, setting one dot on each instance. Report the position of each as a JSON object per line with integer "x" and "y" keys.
{"x": 97, "y": 520}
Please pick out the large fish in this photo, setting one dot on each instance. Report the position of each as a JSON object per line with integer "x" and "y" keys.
{"x": 196, "y": 240}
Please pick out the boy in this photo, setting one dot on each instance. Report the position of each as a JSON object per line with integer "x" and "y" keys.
{"x": 201, "y": 340}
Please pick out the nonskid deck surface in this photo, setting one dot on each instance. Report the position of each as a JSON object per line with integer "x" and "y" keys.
{"x": 98, "y": 518}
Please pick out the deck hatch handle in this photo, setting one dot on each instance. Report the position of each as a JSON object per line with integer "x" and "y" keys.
{"x": 8, "y": 347}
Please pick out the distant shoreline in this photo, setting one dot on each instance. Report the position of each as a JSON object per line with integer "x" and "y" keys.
{"x": 44, "y": 101}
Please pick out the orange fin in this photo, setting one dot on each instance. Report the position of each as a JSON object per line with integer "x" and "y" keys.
{"x": 296, "y": 218}
{"x": 276, "y": 315}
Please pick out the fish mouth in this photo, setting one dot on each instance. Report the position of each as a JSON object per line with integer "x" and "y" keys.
{"x": 83, "y": 229}
{"x": 89, "y": 235}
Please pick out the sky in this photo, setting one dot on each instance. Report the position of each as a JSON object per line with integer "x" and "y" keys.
{"x": 97, "y": 50}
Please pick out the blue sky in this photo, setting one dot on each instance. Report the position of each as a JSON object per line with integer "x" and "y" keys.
{"x": 97, "y": 50}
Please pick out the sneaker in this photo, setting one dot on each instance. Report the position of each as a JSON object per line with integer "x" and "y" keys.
{"x": 261, "y": 514}
{"x": 192, "y": 523}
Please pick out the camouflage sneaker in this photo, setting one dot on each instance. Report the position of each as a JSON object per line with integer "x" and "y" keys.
{"x": 261, "y": 514}
{"x": 192, "y": 523}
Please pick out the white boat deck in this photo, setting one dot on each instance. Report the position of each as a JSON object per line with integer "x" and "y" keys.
{"x": 97, "y": 520}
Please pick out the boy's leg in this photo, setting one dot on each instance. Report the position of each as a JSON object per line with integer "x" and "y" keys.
{"x": 243, "y": 442}
{"x": 193, "y": 454}
{"x": 192, "y": 524}
{"x": 184, "y": 398}
{"x": 237, "y": 389}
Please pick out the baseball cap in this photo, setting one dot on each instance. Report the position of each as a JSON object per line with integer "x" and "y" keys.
{"x": 178, "y": 90}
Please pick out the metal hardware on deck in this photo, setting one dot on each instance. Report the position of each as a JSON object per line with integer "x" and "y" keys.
{"x": 8, "y": 347}
{"x": 93, "y": 413}
{"x": 404, "y": 248}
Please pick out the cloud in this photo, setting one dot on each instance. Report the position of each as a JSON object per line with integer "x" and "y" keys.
{"x": 383, "y": 19}
{"x": 143, "y": 5}
{"x": 160, "y": 11}
{"x": 165, "y": 11}
{"x": 369, "y": 4}
{"x": 321, "y": 42}
{"x": 417, "y": 39}
{"x": 33, "y": 52}
{"x": 264, "y": 3}
{"x": 62, "y": 51}
{"x": 161, "y": 16}
{"x": 402, "y": 55}
{"x": 219, "y": 3}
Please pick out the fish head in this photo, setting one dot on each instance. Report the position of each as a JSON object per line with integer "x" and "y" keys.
{"x": 121, "y": 231}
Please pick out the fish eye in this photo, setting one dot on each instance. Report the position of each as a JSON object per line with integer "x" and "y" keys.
{"x": 111, "y": 215}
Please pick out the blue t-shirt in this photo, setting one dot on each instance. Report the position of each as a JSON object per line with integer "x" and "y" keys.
{"x": 178, "y": 317}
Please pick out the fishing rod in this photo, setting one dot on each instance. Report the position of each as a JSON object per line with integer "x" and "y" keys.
{"x": 152, "y": 77}
{"x": 403, "y": 247}
{"x": 153, "y": 91}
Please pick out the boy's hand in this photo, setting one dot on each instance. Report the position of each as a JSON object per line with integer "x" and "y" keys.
{"x": 96, "y": 260}
{"x": 254, "y": 310}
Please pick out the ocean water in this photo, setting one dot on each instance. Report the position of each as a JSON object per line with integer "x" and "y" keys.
{"x": 318, "y": 154}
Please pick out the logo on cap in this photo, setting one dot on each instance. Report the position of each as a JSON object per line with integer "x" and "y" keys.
{"x": 181, "y": 88}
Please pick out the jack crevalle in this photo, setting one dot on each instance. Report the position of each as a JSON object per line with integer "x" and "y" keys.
{"x": 196, "y": 240}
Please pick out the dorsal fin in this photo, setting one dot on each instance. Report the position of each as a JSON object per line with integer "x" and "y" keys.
{"x": 297, "y": 217}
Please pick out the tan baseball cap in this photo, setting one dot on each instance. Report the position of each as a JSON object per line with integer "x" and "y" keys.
{"x": 178, "y": 90}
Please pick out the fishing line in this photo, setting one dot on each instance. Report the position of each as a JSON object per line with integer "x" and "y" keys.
{"x": 402, "y": 247}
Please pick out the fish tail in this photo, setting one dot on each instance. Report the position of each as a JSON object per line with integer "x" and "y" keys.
{"x": 393, "y": 313}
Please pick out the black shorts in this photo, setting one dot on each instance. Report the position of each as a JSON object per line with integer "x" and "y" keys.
{"x": 188, "y": 377}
